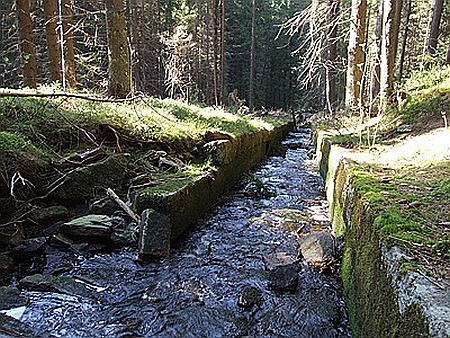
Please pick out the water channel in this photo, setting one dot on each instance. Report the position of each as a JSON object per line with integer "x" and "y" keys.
{"x": 197, "y": 291}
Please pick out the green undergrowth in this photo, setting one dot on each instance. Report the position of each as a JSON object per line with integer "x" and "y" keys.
{"x": 66, "y": 125}
{"x": 427, "y": 98}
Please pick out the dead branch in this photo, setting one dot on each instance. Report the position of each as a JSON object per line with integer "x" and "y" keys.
{"x": 123, "y": 205}
{"x": 71, "y": 95}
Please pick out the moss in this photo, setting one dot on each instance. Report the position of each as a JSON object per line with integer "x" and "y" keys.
{"x": 370, "y": 297}
{"x": 157, "y": 197}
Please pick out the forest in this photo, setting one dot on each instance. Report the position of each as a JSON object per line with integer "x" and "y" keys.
{"x": 320, "y": 55}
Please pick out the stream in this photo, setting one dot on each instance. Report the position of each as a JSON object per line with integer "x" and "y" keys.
{"x": 205, "y": 288}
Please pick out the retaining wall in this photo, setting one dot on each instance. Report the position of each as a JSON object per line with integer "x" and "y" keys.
{"x": 384, "y": 299}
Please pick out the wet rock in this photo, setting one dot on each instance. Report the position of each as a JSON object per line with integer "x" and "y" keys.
{"x": 60, "y": 241}
{"x": 318, "y": 248}
{"x": 249, "y": 297}
{"x": 154, "y": 234}
{"x": 11, "y": 327}
{"x": 29, "y": 246}
{"x": 11, "y": 297}
{"x": 283, "y": 272}
{"x": 50, "y": 283}
{"x": 49, "y": 215}
{"x": 88, "y": 226}
{"x": 123, "y": 238}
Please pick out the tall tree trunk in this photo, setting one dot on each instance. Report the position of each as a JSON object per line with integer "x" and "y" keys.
{"x": 223, "y": 55}
{"x": 53, "y": 46}
{"x": 137, "y": 35}
{"x": 251, "y": 92}
{"x": 120, "y": 84}
{"x": 354, "y": 99}
{"x": 68, "y": 37}
{"x": 27, "y": 50}
{"x": 388, "y": 48}
{"x": 375, "y": 75}
{"x": 404, "y": 41}
{"x": 216, "y": 53}
{"x": 333, "y": 10}
{"x": 431, "y": 47}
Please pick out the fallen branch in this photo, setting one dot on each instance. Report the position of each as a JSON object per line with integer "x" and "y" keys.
{"x": 123, "y": 205}
{"x": 73, "y": 95}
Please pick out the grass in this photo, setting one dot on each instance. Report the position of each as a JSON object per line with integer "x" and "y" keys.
{"x": 68, "y": 124}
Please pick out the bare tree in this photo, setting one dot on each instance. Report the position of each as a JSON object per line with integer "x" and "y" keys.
{"x": 119, "y": 84}
{"x": 354, "y": 97}
{"x": 28, "y": 52}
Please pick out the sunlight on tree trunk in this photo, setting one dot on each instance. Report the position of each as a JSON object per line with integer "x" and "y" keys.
{"x": 28, "y": 52}
{"x": 53, "y": 46}
{"x": 354, "y": 99}
{"x": 388, "y": 48}
{"x": 119, "y": 85}
{"x": 251, "y": 93}
{"x": 330, "y": 66}
{"x": 68, "y": 40}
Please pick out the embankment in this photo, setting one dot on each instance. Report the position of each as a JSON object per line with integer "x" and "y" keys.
{"x": 386, "y": 298}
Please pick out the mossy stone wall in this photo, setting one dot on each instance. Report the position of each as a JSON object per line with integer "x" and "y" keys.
{"x": 184, "y": 204}
{"x": 370, "y": 295}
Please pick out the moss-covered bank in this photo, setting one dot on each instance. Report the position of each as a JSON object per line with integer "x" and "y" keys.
{"x": 385, "y": 299}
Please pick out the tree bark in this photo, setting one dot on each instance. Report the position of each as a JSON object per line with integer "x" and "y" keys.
{"x": 431, "y": 47}
{"x": 54, "y": 52}
{"x": 388, "y": 48}
{"x": 223, "y": 55}
{"x": 375, "y": 76}
{"x": 251, "y": 92}
{"x": 27, "y": 49}
{"x": 354, "y": 99}
{"x": 333, "y": 10}
{"x": 67, "y": 10}
{"x": 119, "y": 73}
{"x": 404, "y": 41}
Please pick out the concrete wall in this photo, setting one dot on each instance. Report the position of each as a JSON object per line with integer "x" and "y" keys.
{"x": 384, "y": 299}
{"x": 185, "y": 203}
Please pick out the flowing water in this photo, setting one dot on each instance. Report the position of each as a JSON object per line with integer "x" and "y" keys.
{"x": 196, "y": 292}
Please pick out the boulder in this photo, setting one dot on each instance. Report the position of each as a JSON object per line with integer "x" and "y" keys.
{"x": 154, "y": 234}
{"x": 49, "y": 215}
{"x": 88, "y": 226}
{"x": 59, "y": 284}
{"x": 249, "y": 297}
{"x": 283, "y": 272}
{"x": 10, "y": 297}
{"x": 318, "y": 248}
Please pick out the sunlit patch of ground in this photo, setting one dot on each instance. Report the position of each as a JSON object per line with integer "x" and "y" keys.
{"x": 418, "y": 168}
